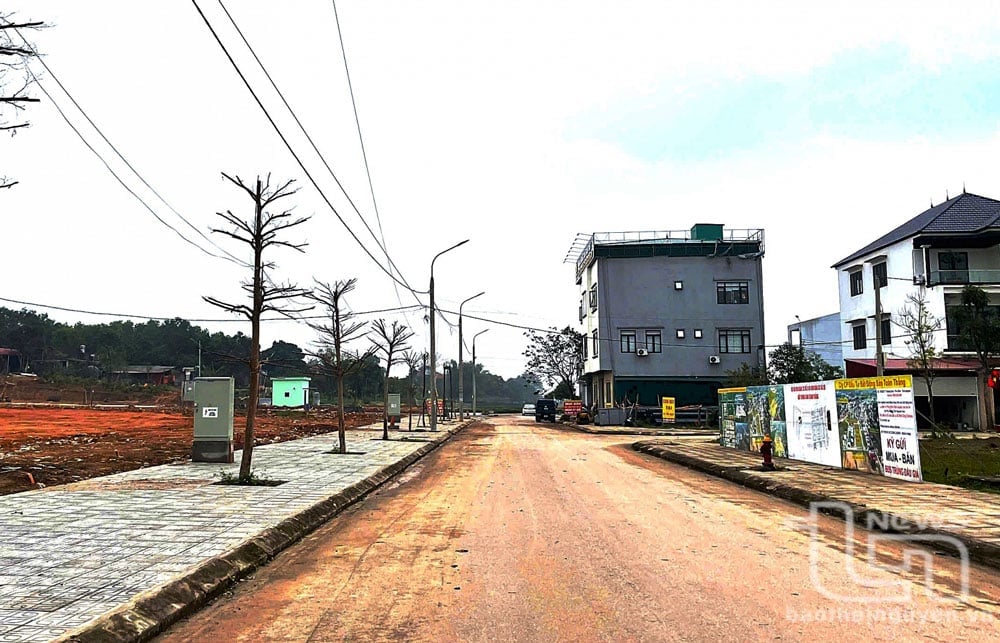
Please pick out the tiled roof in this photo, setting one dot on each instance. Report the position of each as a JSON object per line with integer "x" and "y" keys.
{"x": 964, "y": 213}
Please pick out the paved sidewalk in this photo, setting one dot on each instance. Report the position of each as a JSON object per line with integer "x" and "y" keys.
{"x": 117, "y": 557}
{"x": 972, "y": 517}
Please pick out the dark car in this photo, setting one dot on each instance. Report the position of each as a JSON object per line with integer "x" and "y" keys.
{"x": 545, "y": 410}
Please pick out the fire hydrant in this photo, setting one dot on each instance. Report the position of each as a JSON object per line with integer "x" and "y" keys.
{"x": 767, "y": 451}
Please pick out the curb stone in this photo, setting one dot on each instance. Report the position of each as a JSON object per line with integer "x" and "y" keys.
{"x": 626, "y": 431}
{"x": 983, "y": 552}
{"x": 151, "y": 612}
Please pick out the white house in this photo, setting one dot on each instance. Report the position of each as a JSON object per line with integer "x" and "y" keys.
{"x": 941, "y": 250}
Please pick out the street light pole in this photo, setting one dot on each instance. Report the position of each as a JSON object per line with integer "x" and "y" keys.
{"x": 461, "y": 394}
{"x": 474, "y": 370}
{"x": 434, "y": 340}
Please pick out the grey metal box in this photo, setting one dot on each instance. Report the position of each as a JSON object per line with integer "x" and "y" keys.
{"x": 213, "y": 419}
{"x": 187, "y": 391}
{"x": 394, "y": 405}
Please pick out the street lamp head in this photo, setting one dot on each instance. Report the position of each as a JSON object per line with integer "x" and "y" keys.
{"x": 460, "y": 243}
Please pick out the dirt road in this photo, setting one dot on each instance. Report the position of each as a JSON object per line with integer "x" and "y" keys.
{"x": 520, "y": 532}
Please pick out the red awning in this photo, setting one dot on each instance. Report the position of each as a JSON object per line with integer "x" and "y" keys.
{"x": 866, "y": 367}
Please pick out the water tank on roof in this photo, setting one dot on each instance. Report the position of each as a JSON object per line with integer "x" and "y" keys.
{"x": 706, "y": 232}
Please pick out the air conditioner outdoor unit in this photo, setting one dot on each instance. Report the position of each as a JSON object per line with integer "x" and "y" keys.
{"x": 713, "y": 359}
{"x": 641, "y": 352}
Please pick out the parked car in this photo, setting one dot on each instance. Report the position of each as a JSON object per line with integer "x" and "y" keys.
{"x": 528, "y": 409}
{"x": 545, "y": 410}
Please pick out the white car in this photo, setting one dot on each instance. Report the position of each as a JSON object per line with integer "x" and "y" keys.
{"x": 528, "y": 409}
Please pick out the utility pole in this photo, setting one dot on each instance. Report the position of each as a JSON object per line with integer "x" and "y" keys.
{"x": 879, "y": 361}
{"x": 423, "y": 392}
{"x": 461, "y": 392}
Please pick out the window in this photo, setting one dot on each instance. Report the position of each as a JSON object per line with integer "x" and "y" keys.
{"x": 880, "y": 275}
{"x": 886, "y": 329}
{"x": 678, "y": 285}
{"x": 584, "y": 343}
{"x": 593, "y": 297}
{"x": 654, "y": 341}
{"x": 734, "y": 340}
{"x": 954, "y": 267}
{"x": 608, "y": 400}
{"x": 581, "y": 310}
{"x": 680, "y": 333}
{"x": 628, "y": 341}
{"x": 857, "y": 283}
{"x": 860, "y": 338}
{"x": 593, "y": 336}
{"x": 733, "y": 292}
{"x": 697, "y": 333}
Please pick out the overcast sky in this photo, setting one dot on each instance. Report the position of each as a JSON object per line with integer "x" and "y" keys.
{"x": 514, "y": 124}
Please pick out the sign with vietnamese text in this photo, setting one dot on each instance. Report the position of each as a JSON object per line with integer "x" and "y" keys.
{"x": 572, "y": 407}
{"x": 669, "y": 410}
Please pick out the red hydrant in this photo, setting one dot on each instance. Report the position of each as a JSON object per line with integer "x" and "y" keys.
{"x": 766, "y": 451}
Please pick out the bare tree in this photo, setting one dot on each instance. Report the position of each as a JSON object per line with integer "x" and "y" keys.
{"x": 390, "y": 342}
{"x": 413, "y": 361}
{"x": 919, "y": 326}
{"x": 15, "y": 77}
{"x": 260, "y": 232}
{"x": 334, "y": 335}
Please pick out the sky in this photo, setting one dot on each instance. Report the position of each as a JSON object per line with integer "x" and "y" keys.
{"x": 515, "y": 125}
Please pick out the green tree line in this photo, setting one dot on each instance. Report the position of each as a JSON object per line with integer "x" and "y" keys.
{"x": 51, "y": 348}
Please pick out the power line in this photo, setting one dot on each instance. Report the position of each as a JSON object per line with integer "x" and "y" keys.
{"x": 298, "y": 160}
{"x": 322, "y": 158}
{"x": 97, "y": 129}
{"x": 228, "y": 319}
{"x": 107, "y": 166}
{"x": 361, "y": 139}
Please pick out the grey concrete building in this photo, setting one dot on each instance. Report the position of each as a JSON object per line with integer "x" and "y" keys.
{"x": 667, "y": 313}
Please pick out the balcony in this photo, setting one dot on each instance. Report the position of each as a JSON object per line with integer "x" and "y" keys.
{"x": 963, "y": 277}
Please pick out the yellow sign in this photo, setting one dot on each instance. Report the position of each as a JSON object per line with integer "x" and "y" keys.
{"x": 888, "y": 381}
{"x": 669, "y": 412}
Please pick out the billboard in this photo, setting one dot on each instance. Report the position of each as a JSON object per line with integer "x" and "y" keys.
{"x": 732, "y": 413}
{"x": 864, "y": 424}
{"x": 890, "y": 424}
{"x": 813, "y": 433}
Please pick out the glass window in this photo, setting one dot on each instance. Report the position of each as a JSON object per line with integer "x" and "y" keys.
{"x": 857, "y": 283}
{"x": 654, "y": 341}
{"x": 880, "y": 275}
{"x": 628, "y": 341}
{"x": 954, "y": 267}
{"x": 860, "y": 338}
{"x": 886, "y": 329}
{"x": 697, "y": 333}
{"x": 734, "y": 340}
{"x": 733, "y": 292}
{"x": 593, "y": 336}
{"x": 680, "y": 333}
{"x": 584, "y": 344}
{"x": 593, "y": 297}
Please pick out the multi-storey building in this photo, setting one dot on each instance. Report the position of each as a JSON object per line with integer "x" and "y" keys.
{"x": 940, "y": 250}
{"x": 668, "y": 313}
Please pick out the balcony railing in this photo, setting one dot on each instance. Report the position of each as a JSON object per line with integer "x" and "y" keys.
{"x": 962, "y": 277}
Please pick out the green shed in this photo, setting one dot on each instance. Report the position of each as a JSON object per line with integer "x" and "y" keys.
{"x": 290, "y": 391}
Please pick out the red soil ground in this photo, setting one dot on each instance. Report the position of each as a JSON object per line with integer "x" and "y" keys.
{"x": 56, "y": 446}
